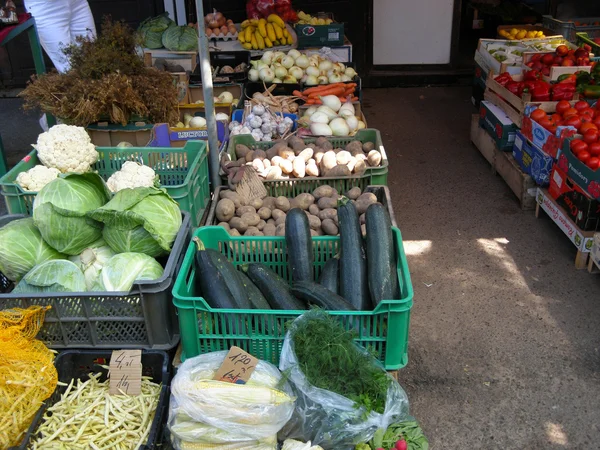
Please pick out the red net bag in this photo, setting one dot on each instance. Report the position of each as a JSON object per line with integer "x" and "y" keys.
{"x": 256, "y": 9}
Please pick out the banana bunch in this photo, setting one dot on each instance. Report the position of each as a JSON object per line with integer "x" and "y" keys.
{"x": 307, "y": 19}
{"x": 258, "y": 34}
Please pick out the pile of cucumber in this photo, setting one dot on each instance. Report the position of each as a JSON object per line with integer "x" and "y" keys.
{"x": 361, "y": 275}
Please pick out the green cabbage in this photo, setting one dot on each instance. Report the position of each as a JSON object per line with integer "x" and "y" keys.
{"x": 59, "y": 275}
{"x": 122, "y": 270}
{"x": 180, "y": 39}
{"x": 59, "y": 211}
{"x": 91, "y": 261}
{"x": 22, "y": 248}
{"x": 151, "y": 30}
{"x": 141, "y": 220}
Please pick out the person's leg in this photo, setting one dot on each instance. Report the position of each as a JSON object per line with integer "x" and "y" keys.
{"x": 82, "y": 21}
{"x": 52, "y": 19}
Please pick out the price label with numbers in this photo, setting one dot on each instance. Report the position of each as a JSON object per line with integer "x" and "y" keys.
{"x": 126, "y": 372}
{"x": 237, "y": 367}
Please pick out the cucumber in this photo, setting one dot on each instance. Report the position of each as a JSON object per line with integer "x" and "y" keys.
{"x": 211, "y": 281}
{"x": 273, "y": 287}
{"x": 299, "y": 245}
{"x": 330, "y": 276}
{"x": 381, "y": 255}
{"x": 256, "y": 298}
{"x": 354, "y": 286}
{"x": 231, "y": 279}
{"x": 315, "y": 294}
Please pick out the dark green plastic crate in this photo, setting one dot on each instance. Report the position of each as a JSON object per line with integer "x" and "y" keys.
{"x": 183, "y": 172}
{"x": 287, "y": 188}
{"x": 261, "y": 332}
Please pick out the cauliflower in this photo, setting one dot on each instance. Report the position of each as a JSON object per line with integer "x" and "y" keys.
{"x": 36, "y": 178}
{"x": 132, "y": 175}
{"x": 66, "y": 148}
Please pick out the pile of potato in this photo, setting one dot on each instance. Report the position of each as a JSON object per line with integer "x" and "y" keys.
{"x": 266, "y": 217}
{"x": 292, "y": 158}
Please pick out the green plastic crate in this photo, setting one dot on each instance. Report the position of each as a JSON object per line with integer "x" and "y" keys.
{"x": 182, "y": 171}
{"x": 261, "y": 332}
{"x": 585, "y": 38}
{"x": 287, "y": 188}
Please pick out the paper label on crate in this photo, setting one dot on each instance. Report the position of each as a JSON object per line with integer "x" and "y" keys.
{"x": 125, "y": 372}
{"x": 237, "y": 367}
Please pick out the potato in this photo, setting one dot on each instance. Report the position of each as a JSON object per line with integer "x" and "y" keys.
{"x": 269, "y": 202}
{"x": 312, "y": 170}
{"x": 329, "y": 227}
{"x": 233, "y": 196}
{"x": 359, "y": 167}
{"x": 260, "y": 154}
{"x": 256, "y": 203}
{"x": 304, "y": 201}
{"x": 286, "y": 166}
{"x": 294, "y": 203}
{"x": 361, "y": 156}
{"x": 267, "y": 163}
{"x": 275, "y": 160}
{"x": 299, "y": 167}
{"x": 306, "y": 154}
{"x": 328, "y": 213}
{"x": 251, "y": 219}
{"x": 354, "y": 147}
{"x": 280, "y": 230}
{"x": 353, "y": 193}
{"x": 368, "y": 196}
{"x": 322, "y": 191}
{"x": 224, "y": 225}
{"x": 327, "y": 202}
{"x": 233, "y": 232}
{"x": 245, "y": 209}
{"x": 282, "y": 203}
{"x": 338, "y": 171}
{"x": 253, "y": 231}
{"x": 363, "y": 230}
{"x": 274, "y": 173}
{"x": 334, "y": 193}
{"x": 239, "y": 224}
{"x": 296, "y": 143}
{"x": 258, "y": 165}
{"x": 314, "y": 209}
{"x": 368, "y": 146}
{"x": 261, "y": 225}
{"x": 364, "y": 201}
{"x": 286, "y": 153}
{"x": 362, "y": 219}
{"x": 323, "y": 143}
{"x": 314, "y": 222}
{"x": 280, "y": 220}
{"x": 343, "y": 157}
{"x": 312, "y": 145}
{"x": 329, "y": 161}
{"x": 374, "y": 158}
{"x": 225, "y": 210}
{"x": 318, "y": 156}
{"x": 264, "y": 213}
{"x": 314, "y": 232}
{"x": 351, "y": 163}
{"x": 277, "y": 213}
{"x": 249, "y": 156}
{"x": 269, "y": 229}
{"x": 241, "y": 150}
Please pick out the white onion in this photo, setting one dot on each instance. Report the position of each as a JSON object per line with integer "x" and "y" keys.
{"x": 289, "y": 79}
{"x": 287, "y": 62}
{"x": 302, "y": 61}
{"x": 312, "y": 71}
{"x": 261, "y": 64}
{"x": 222, "y": 117}
{"x": 277, "y": 80}
{"x": 322, "y": 79}
{"x": 266, "y": 74}
{"x": 311, "y": 80}
{"x": 350, "y": 72}
{"x": 352, "y": 122}
{"x": 332, "y": 101}
{"x": 339, "y": 127}
{"x": 280, "y": 71}
{"x": 327, "y": 111}
{"x": 278, "y": 56}
{"x": 347, "y": 106}
{"x": 303, "y": 79}
{"x": 319, "y": 117}
{"x": 313, "y": 60}
{"x": 345, "y": 113}
{"x": 225, "y": 97}
{"x": 361, "y": 125}
{"x": 334, "y": 78}
{"x": 253, "y": 75}
{"x": 296, "y": 72}
{"x": 325, "y": 65}
{"x": 294, "y": 53}
{"x": 346, "y": 77}
{"x": 197, "y": 122}
{"x": 320, "y": 129}
{"x": 267, "y": 57}
{"x": 310, "y": 111}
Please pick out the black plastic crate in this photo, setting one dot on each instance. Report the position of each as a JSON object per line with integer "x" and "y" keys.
{"x": 220, "y": 59}
{"x": 74, "y": 364}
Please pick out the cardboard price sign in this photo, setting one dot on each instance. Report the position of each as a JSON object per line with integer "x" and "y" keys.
{"x": 237, "y": 367}
{"x": 126, "y": 372}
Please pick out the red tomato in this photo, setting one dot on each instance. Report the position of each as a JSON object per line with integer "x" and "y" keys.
{"x": 573, "y": 121}
{"x": 590, "y": 136}
{"x": 555, "y": 117}
{"x": 562, "y": 106}
{"x": 585, "y": 119}
{"x": 581, "y": 105}
{"x": 567, "y": 62}
{"x": 546, "y": 123}
{"x": 570, "y": 112}
{"x": 538, "y": 114}
{"x": 585, "y": 127}
{"x": 587, "y": 112}
{"x": 596, "y": 121}
{"x": 594, "y": 149}
{"x": 577, "y": 145}
{"x": 584, "y": 156}
{"x": 593, "y": 163}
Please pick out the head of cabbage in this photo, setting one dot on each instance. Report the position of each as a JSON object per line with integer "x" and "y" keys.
{"x": 60, "y": 211}
{"x": 122, "y": 270}
{"x": 22, "y": 248}
{"x": 141, "y": 220}
{"x": 151, "y": 30}
{"x": 92, "y": 260}
{"x": 59, "y": 275}
{"x": 180, "y": 39}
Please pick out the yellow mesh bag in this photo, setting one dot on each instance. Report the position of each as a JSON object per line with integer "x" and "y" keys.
{"x": 27, "y": 372}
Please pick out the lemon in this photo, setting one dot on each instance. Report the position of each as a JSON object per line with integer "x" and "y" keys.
{"x": 540, "y": 34}
{"x": 521, "y": 34}
{"x": 513, "y": 31}
{"x": 531, "y": 34}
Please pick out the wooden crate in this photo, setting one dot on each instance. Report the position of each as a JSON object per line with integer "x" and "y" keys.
{"x": 555, "y": 71}
{"x": 504, "y": 164}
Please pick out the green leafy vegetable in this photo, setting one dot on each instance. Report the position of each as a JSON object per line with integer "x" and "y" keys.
{"x": 60, "y": 208}
{"x": 409, "y": 430}
{"x": 152, "y": 29}
{"x": 22, "y": 248}
{"x": 122, "y": 270}
{"x": 59, "y": 275}
{"x": 91, "y": 261}
{"x": 180, "y": 39}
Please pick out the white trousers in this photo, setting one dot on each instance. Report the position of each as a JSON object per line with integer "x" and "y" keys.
{"x": 59, "y": 22}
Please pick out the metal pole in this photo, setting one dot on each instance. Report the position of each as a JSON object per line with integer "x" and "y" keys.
{"x": 209, "y": 104}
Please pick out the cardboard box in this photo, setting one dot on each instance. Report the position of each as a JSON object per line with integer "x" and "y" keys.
{"x": 595, "y": 251}
{"x": 584, "y": 210}
{"x": 498, "y": 125}
{"x": 331, "y": 35}
{"x": 586, "y": 178}
{"x": 532, "y": 160}
{"x": 550, "y": 143}
{"x": 104, "y": 134}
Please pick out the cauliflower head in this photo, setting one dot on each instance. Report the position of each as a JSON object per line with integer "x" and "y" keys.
{"x": 132, "y": 175}
{"x": 67, "y": 148}
{"x": 36, "y": 178}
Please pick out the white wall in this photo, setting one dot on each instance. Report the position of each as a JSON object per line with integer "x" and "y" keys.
{"x": 412, "y": 31}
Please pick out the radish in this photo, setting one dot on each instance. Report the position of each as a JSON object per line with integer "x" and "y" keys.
{"x": 401, "y": 445}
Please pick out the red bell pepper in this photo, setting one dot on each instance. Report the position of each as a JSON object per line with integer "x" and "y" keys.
{"x": 563, "y": 91}
{"x": 516, "y": 87}
{"x": 539, "y": 90}
{"x": 567, "y": 78}
{"x": 532, "y": 75}
{"x": 503, "y": 78}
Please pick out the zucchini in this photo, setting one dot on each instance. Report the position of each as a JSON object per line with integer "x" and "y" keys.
{"x": 381, "y": 255}
{"x": 330, "y": 276}
{"x": 273, "y": 287}
{"x": 354, "y": 286}
{"x": 256, "y": 298}
{"x": 299, "y": 245}
{"x": 315, "y": 294}
{"x": 231, "y": 279}
{"x": 211, "y": 281}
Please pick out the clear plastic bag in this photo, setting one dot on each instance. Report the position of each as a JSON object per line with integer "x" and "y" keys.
{"x": 327, "y": 418}
{"x": 203, "y": 410}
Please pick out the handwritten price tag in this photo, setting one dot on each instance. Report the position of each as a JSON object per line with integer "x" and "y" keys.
{"x": 125, "y": 372}
{"x": 237, "y": 367}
